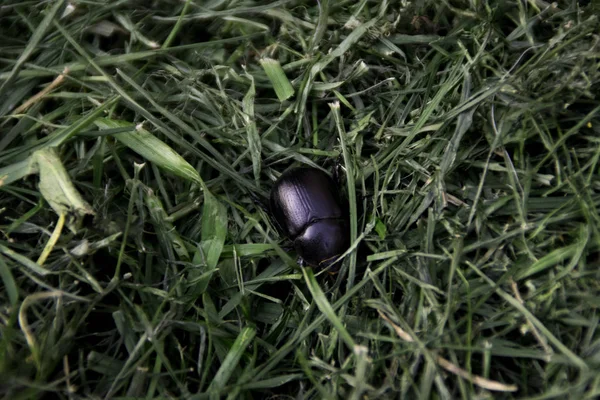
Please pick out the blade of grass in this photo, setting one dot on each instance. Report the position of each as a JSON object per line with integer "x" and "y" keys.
{"x": 58, "y": 190}
{"x": 253, "y": 138}
{"x": 281, "y": 84}
{"x": 151, "y": 148}
{"x": 213, "y": 235}
{"x": 17, "y": 171}
{"x": 231, "y": 361}
{"x": 9, "y": 283}
{"x": 52, "y": 240}
{"x": 335, "y": 109}
{"x": 581, "y": 364}
{"x": 325, "y": 307}
{"x": 32, "y": 45}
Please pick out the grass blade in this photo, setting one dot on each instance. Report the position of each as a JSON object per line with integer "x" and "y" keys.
{"x": 152, "y": 149}
{"x": 32, "y": 45}
{"x": 17, "y": 171}
{"x": 58, "y": 190}
{"x": 325, "y": 307}
{"x": 282, "y": 86}
{"x": 254, "y": 141}
{"x": 213, "y": 235}
{"x": 231, "y": 361}
{"x": 9, "y": 283}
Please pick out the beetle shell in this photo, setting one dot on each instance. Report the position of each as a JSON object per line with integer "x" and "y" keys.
{"x": 307, "y": 208}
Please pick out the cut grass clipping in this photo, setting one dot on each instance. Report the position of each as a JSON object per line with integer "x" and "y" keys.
{"x": 135, "y": 138}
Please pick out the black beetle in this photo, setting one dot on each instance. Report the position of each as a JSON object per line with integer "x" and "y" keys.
{"x": 308, "y": 209}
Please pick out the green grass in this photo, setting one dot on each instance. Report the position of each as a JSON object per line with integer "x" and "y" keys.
{"x": 134, "y": 263}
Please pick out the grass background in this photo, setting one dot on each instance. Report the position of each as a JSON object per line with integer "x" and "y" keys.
{"x": 134, "y": 263}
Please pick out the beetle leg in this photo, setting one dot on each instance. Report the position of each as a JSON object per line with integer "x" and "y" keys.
{"x": 265, "y": 207}
{"x": 260, "y": 203}
{"x": 287, "y": 249}
{"x": 301, "y": 262}
{"x": 338, "y": 172}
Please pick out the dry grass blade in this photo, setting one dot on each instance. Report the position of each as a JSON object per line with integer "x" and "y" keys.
{"x": 542, "y": 341}
{"x": 450, "y": 367}
{"x": 42, "y": 93}
{"x": 52, "y": 240}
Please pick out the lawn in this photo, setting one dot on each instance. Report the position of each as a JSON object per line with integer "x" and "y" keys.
{"x": 135, "y": 137}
